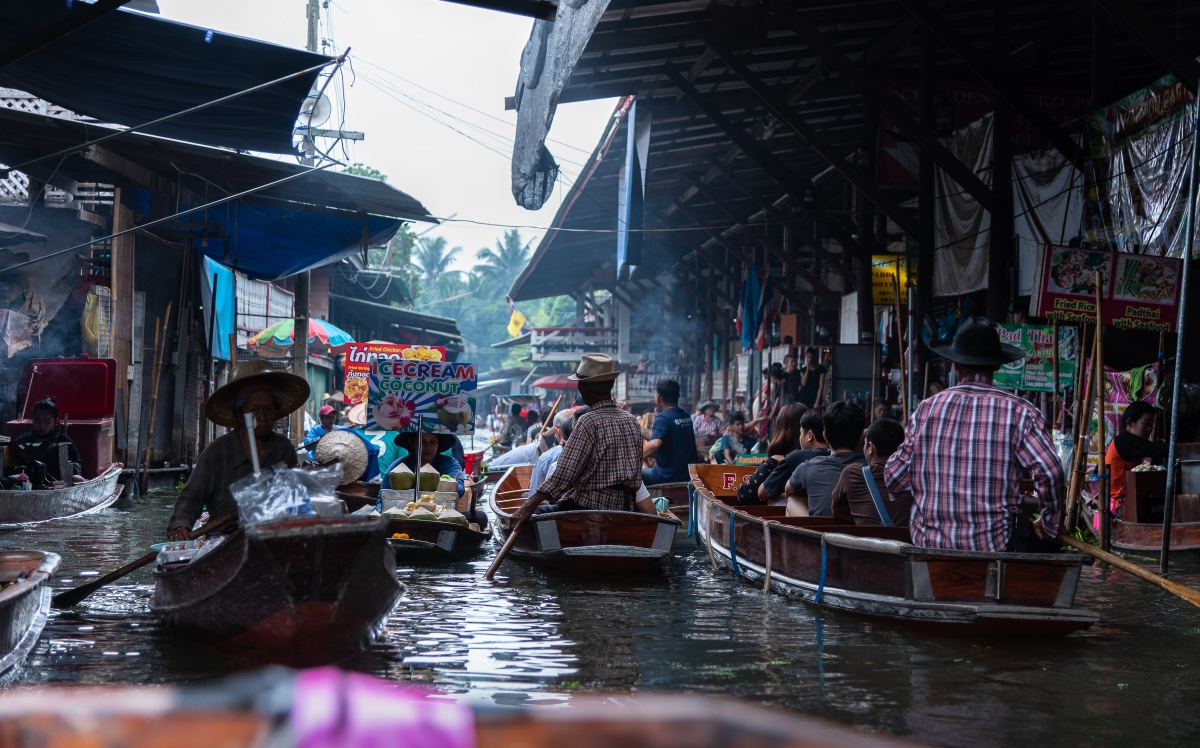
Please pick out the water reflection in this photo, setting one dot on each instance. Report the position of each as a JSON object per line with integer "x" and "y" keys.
{"x": 534, "y": 638}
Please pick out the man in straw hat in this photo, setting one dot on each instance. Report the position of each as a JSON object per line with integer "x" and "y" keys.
{"x": 600, "y": 466}
{"x": 965, "y": 451}
{"x": 255, "y": 388}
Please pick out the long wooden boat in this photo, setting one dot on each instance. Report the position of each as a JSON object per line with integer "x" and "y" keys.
{"x": 235, "y": 714}
{"x": 590, "y": 542}
{"x": 876, "y": 571}
{"x": 300, "y": 591}
{"x": 1139, "y": 532}
{"x": 430, "y": 541}
{"x": 22, "y": 508}
{"x": 24, "y": 603}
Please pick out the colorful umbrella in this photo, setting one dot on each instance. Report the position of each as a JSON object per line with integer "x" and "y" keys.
{"x": 319, "y": 331}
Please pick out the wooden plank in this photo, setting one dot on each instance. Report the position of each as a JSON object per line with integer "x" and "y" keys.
{"x": 121, "y": 327}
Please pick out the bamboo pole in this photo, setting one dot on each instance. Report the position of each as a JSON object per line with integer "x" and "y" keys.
{"x": 1101, "y": 458}
{"x": 546, "y": 424}
{"x": 874, "y": 375}
{"x": 900, "y": 346}
{"x": 1187, "y": 593}
{"x": 155, "y": 381}
{"x": 1054, "y": 352}
{"x": 1079, "y": 429}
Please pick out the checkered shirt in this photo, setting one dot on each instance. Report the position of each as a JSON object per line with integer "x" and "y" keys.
{"x": 962, "y": 459}
{"x": 603, "y": 455}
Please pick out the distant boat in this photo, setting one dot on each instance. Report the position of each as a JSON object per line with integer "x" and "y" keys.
{"x": 432, "y": 541}
{"x": 876, "y": 571}
{"x": 21, "y": 508}
{"x": 588, "y": 542}
{"x": 24, "y": 603}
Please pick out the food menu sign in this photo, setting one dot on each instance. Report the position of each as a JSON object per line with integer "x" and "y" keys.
{"x": 359, "y": 357}
{"x": 1035, "y": 372}
{"x": 1140, "y": 292}
{"x": 401, "y": 392}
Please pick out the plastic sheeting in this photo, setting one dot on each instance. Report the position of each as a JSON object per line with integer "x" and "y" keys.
{"x": 130, "y": 68}
{"x": 224, "y": 318}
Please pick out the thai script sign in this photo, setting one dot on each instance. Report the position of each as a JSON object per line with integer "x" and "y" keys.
{"x": 1035, "y": 372}
{"x": 360, "y": 355}
{"x": 439, "y": 395}
{"x": 1139, "y": 292}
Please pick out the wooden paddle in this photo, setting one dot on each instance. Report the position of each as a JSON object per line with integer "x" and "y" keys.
{"x": 508, "y": 544}
{"x": 75, "y": 596}
{"x": 1187, "y": 593}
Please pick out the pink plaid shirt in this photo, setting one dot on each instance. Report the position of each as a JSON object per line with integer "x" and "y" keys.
{"x": 962, "y": 458}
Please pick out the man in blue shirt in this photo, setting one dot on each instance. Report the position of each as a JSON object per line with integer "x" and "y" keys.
{"x": 328, "y": 416}
{"x": 672, "y": 440}
{"x": 562, "y": 431}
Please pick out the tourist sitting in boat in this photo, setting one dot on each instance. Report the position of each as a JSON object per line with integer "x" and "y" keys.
{"x": 785, "y": 436}
{"x": 706, "y": 422}
{"x": 36, "y": 451}
{"x": 526, "y": 454}
{"x": 966, "y": 449}
{"x": 437, "y": 451}
{"x": 328, "y": 416}
{"x": 672, "y": 442}
{"x": 254, "y": 387}
{"x": 810, "y": 488}
{"x": 861, "y": 495}
{"x": 734, "y": 442}
{"x": 811, "y": 444}
{"x": 1131, "y": 447}
{"x": 600, "y": 465}
{"x": 544, "y": 467}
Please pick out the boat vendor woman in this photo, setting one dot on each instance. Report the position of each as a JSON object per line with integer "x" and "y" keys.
{"x": 37, "y": 450}
{"x": 254, "y": 387}
{"x": 1130, "y": 447}
{"x": 436, "y": 452}
{"x": 600, "y": 467}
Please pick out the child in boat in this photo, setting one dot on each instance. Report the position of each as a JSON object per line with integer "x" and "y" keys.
{"x": 1130, "y": 447}
{"x": 853, "y": 498}
{"x": 785, "y": 437}
{"x": 37, "y": 450}
{"x": 734, "y": 442}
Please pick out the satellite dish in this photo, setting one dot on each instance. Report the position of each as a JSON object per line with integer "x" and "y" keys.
{"x": 315, "y": 111}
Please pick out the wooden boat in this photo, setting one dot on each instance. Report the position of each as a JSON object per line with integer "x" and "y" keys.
{"x": 1139, "y": 530}
{"x": 21, "y": 508}
{"x": 300, "y": 591}
{"x": 254, "y": 710}
{"x": 678, "y": 496}
{"x": 430, "y": 541}
{"x": 603, "y": 542}
{"x": 24, "y": 603}
{"x": 876, "y": 571}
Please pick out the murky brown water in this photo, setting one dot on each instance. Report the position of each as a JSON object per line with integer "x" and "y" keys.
{"x": 534, "y": 638}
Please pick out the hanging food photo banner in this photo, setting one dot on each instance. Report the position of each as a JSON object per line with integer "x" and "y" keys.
{"x": 1035, "y": 372}
{"x": 360, "y": 355}
{"x": 403, "y": 391}
{"x": 1140, "y": 292}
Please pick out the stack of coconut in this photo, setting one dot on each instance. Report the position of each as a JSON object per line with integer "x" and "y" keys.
{"x": 427, "y": 509}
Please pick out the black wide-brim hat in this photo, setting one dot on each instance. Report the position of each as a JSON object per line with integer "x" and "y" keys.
{"x": 977, "y": 344}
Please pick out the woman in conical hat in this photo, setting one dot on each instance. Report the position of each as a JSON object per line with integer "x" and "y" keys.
{"x": 256, "y": 388}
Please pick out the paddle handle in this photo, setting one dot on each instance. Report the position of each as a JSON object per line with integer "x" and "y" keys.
{"x": 1187, "y": 593}
{"x": 508, "y": 544}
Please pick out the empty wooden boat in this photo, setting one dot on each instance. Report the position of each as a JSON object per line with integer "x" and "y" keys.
{"x": 876, "y": 571}
{"x": 431, "y": 541}
{"x": 21, "y": 508}
{"x": 302, "y": 591}
{"x": 1139, "y": 530}
{"x": 24, "y": 603}
{"x": 591, "y": 542}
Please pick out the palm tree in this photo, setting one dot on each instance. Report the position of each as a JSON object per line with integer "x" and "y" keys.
{"x": 503, "y": 264}
{"x": 432, "y": 259}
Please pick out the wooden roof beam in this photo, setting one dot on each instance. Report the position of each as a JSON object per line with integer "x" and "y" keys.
{"x": 999, "y": 83}
{"x": 889, "y": 105}
{"x": 1138, "y": 23}
{"x": 791, "y": 182}
{"x": 776, "y": 106}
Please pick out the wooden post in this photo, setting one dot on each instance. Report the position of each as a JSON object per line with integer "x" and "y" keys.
{"x": 1079, "y": 423}
{"x": 900, "y": 345}
{"x": 138, "y": 350}
{"x": 233, "y": 349}
{"x": 874, "y": 376}
{"x": 1101, "y": 457}
{"x": 155, "y": 381}
{"x": 1054, "y": 398}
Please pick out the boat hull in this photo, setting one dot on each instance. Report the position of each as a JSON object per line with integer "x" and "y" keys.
{"x": 875, "y": 571}
{"x": 25, "y": 605}
{"x": 430, "y": 541}
{"x": 299, "y": 592}
{"x": 23, "y": 508}
{"x": 1146, "y": 538}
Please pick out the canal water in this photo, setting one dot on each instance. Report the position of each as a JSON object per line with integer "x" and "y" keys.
{"x": 536, "y": 639}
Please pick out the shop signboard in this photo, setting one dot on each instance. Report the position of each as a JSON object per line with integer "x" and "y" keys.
{"x": 439, "y": 395}
{"x": 359, "y": 357}
{"x": 883, "y": 276}
{"x": 1140, "y": 292}
{"x": 1035, "y": 372}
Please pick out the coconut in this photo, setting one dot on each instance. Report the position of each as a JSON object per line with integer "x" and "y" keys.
{"x": 429, "y": 478}
{"x": 394, "y": 511}
{"x": 422, "y": 514}
{"x": 401, "y": 479}
{"x": 450, "y": 515}
{"x": 447, "y": 484}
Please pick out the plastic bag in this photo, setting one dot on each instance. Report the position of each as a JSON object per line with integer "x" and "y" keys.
{"x": 279, "y": 491}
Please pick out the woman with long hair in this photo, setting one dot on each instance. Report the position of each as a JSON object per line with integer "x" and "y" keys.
{"x": 785, "y": 438}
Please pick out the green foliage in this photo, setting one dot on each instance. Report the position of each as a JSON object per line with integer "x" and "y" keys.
{"x": 397, "y": 257}
{"x": 363, "y": 170}
{"x": 503, "y": 264}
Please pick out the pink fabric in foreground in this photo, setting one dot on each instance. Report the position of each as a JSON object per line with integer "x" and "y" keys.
{"x": 333, "y": 709}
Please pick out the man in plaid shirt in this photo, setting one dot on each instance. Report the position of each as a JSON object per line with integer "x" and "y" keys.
{"x": 601, "y": 464}
{"x": 965, "y": 451}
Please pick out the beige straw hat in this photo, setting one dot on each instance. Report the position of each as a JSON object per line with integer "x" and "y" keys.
{"x": 594, "y": 367}
{"x": 347, "y": 449}
{"x": 291, "y": 390}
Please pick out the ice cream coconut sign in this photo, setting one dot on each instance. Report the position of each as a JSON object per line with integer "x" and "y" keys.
{"x": 403, "y": 391}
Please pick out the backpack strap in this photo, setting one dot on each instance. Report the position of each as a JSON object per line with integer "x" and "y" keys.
{"x": 873, "y": 488}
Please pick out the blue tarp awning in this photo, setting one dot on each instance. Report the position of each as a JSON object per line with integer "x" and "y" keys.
{"x": 130, "y": 68}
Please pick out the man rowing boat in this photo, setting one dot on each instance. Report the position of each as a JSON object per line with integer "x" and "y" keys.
{"x": 600, "y": 467}
{"x": 254, "y": 387}
{"x": 965, "y": 451}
